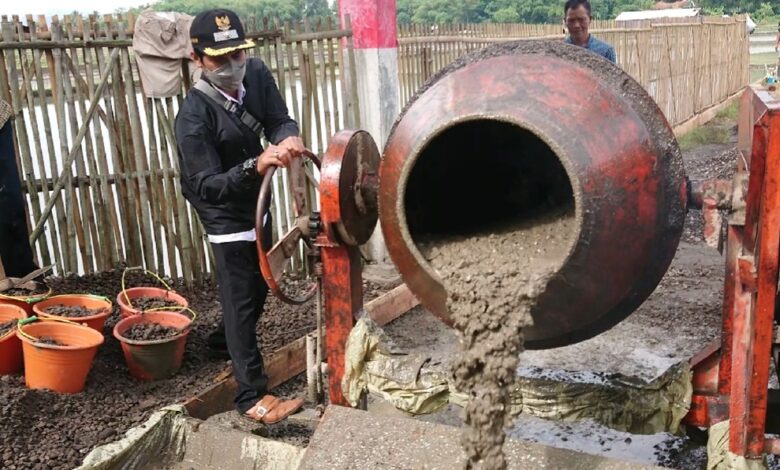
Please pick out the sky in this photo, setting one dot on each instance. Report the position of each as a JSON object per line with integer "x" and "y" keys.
{"x": 59, "y": 7}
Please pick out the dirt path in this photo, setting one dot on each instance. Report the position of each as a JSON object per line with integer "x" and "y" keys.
{"x": 43, "y": 430}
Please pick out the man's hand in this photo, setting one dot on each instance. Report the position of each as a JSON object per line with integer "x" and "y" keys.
{"x": 294, "y": 145}
{"x": 274, "y": 155}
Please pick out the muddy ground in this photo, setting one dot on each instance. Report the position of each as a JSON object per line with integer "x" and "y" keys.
{"x": 44, "y": 430}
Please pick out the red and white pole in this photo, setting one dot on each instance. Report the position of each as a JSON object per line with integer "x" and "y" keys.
{"x": 375, "y": 39}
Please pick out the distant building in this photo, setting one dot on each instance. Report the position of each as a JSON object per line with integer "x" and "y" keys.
{"x": 673, "y": 5}
{"x": 630, "y": 19}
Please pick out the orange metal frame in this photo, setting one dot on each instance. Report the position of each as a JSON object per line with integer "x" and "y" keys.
{"x": 731, "y": 377}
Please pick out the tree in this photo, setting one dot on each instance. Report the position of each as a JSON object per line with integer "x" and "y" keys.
{"x": 764, "y": 11}
{"x": 506, "y": 15}
{"x": 285, "y": 10}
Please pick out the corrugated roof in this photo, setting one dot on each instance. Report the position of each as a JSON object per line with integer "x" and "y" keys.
{"x": 654, "y": 14}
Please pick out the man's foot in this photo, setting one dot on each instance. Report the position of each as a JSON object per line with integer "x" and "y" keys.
{"x": 270, "y": 410}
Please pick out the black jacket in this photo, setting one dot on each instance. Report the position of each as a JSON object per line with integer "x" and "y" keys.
{"x": 214, "y": 146}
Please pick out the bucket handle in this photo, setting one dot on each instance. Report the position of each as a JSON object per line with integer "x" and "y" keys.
{"x": 176, "y": 309}
{"x": 146, "y": 271}
{"x": 34, "y": 319}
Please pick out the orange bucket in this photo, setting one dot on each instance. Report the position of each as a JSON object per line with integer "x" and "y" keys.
{"x": 10, "y": 346}
{"x": 25, "y": 302}
{"x": 61, "y": 369}
{"x": 126, "y": 297}
{"x": 92, "y": 302}
{"x": 156, "y": 359}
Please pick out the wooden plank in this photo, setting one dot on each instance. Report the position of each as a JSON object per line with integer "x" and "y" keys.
{"x": 290, "y": 360}
{"x": 391, "y": 305}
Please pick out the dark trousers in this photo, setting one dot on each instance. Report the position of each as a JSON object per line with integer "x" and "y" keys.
{"x": 242, "y": 293}
{"x": 15, "y": 251}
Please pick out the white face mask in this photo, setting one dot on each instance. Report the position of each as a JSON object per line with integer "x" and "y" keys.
{"x": 227, "y": 76}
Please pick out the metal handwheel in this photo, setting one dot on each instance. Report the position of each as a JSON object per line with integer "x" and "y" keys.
{"x": 274, "y": 262}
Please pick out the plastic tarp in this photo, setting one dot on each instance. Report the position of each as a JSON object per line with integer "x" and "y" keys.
{"x": 164, "y": 430}
{"x": 375, "y": 364}
{"x": 412, "y": 383}
{"x": 720, "y": 458}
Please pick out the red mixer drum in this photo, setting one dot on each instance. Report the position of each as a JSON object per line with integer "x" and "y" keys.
{"x": 525, "y": 128}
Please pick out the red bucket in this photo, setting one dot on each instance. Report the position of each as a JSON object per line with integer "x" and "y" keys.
{"x": 92, "y": 302}
{"x": 61, "y": 369}
{"x": 10, "y": 346}
{"x": 156, "y": 359}
{"x": 25, "y": 302}
{"x": 126, "y": 297}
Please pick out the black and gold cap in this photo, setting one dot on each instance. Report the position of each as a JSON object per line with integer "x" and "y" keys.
{"x": 218, "y": 32}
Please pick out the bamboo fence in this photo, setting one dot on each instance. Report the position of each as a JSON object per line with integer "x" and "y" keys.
{"x": 98, "y": 158}
{"x": 685, "y": 67}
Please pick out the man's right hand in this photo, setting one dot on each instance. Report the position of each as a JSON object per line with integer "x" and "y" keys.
{"x": 272, "y": 156}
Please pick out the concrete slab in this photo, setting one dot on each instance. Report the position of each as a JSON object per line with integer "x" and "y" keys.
{"x": 215, "y": 447}
{"x": 353, "y": 439}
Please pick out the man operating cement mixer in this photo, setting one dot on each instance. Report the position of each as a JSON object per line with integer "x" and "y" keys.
{"x": 222, "y": 160}
{"x": 577, "y": 18}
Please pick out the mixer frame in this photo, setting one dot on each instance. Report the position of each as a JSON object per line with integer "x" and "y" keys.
{"x": 731, "y": 376}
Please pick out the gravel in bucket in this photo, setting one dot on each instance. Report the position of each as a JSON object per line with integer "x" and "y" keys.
{"x": 6, "y": 327}
{"x": 73, "y": 311}
{"x": 19, "y": 292}
{"x": 48, "y": 341}
{"x": 150, "y": 332}
{"x": 147, "y": 303}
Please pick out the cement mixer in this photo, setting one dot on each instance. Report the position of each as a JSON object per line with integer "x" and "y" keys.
{"x": 507, "y": 134}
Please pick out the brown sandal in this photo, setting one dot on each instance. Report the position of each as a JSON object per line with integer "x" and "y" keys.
{"x": 271, "y": 410}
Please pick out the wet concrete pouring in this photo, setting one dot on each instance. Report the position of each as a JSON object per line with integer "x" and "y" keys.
{"x": 493, "y": 279}
{"x": 44, "y": 430}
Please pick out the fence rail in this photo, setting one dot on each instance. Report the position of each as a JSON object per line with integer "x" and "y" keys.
{"x": 686, "y": 67}
{"x": 86, "y": 131}
{"x": 98, "y": 158}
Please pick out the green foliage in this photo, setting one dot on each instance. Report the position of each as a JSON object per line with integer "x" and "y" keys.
{"x": 764, "y": 11}
{"x": 462, "y": 11}
{"x": 702, "y": 136}
{"x": 285, "y": 10}
{"x": 546, "y": 11}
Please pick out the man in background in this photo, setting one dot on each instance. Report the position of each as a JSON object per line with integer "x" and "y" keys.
{"x": 577, "y": 18}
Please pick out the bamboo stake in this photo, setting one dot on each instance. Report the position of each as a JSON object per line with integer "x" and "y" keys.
{"x": 136, "y": 137}
{"x": 61, "y": 179}
{"x": 87, "y": 238}
{"x": 70, "y": 256}
{"x": 104, "y": 196}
